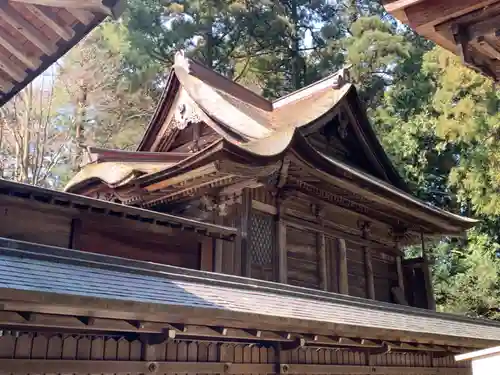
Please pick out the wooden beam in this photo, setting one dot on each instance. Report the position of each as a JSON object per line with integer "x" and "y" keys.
{"x": 75, "y": 233}
{"x": 81, "y": 15}
{"x": 431, "y": 302}
{"x": 298, "y": 369}
{"x": 12, "y": 17}
{"x": 74, "y": 323}
{"x": 282, "y": 251}
{"x": 399, "y": 269}
{"x": 430, "y": 13}
{"x": 206, "y": 254}
{"x": 370, "y": 284}
{"x": 245, "y": 246}
{"x": 219, "y": 245}
{"x": 91, "y": 5}
{"x": 13, "y": 46}
{"x": 53, "y": 366}
{"x": 15, "y": 72}
{"x": 484, "y": 46}
{"x": 321, "y": 248}
{"x": 343, "y": 274}
{"x": 400, "y": 5}
{"x": 5, "y": 85}
{"x": 264, "y": 207}
{"x": 64, "y": 31}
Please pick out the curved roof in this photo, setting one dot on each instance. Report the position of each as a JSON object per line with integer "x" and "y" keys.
{"x": 260, "y": 133}
{"x": 35, "y": 33}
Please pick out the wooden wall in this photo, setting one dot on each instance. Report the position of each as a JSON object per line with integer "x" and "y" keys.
{"x": 63, "y": 227}
{"x": 22, "y": 351}
{"x": 302, "y": 258}
{"x": 308, "y": 235}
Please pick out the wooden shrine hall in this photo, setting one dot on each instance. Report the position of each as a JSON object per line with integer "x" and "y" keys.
{"x": 467, "y": 28}
{"x": 243, "y": 236}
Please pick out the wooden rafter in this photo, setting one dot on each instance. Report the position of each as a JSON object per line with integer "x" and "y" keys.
{"x": 9, "y": 44}
{"x": 400, "y": 4}
{"x": 92, "y": 5}
{"x": 48, "y": 18}
{"x": 6, "y": 65}
{"x": 81, "y": 15}
{"x": 26, "y": 47}
{"x": 12, "y": 18}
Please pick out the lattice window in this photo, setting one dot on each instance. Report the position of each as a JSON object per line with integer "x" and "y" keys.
{"x": 262, "y": 239}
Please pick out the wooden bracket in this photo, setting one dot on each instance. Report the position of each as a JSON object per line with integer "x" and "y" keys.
{"x": 87, "y": 320}
{"x": 298, "y": 342}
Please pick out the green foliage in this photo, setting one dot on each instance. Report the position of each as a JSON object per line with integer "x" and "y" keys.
{"x": 466, "y": 276}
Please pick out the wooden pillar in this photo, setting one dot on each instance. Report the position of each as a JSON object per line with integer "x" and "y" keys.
{"x": 74, "y": 234}
{"x": 370, "y": 284}
{"x": 399, "y": 268}
{"x": 399, "y": 263}
{"x": 321, "y": 250}
{"x": 218, "y": 246}
{"x": 246, "y": 209}
{"x": 282, "y": 253}
{"x": 343, "y": 275}
{"x": 431, "y": 302}
{"x": 207, "y": 254}
{"x": 321, "y": 246}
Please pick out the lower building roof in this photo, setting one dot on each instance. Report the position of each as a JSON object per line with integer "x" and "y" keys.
{"x": 61, "y": 280}
{"x": 83, "y": 204}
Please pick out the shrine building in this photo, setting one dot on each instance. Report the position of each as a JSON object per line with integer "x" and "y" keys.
{"x": 243, "y": 236}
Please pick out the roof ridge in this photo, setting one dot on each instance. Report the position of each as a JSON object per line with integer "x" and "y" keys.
{"x": 335, "y": 80}
{"x": 210, "y": 76}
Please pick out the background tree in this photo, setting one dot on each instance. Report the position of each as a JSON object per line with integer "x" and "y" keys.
{"x": 33, "y": 140}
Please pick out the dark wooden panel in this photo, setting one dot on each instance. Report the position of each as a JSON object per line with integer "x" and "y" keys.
{"x": 302, "y": 258}
{"x": 25, "y": 223}
{"x": 180, "y": 250}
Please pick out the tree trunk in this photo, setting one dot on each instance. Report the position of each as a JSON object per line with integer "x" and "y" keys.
{"x": 295, "y": 52}
{"x": 80, "y": 121}
{"x": 25, "y": 151}
{"x": 209, "y": 38}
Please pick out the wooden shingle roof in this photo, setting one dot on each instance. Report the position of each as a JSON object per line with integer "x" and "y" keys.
{"x": 35, "y": 33}
{"x": 59, "y": 280}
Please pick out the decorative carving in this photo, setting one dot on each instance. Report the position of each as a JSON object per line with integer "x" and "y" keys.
{"x": 343, "y": 125}
{"x": 365, "y": 228}
{"x": 212, "y": 204}
{"x": 343, "y": 76}
{"x": 181, "y": 61}
{"x": 186, "y": 113}
{"x": 398, "y": 234}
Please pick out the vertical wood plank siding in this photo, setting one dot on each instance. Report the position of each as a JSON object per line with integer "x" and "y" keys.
{"x": 45, "y": 346}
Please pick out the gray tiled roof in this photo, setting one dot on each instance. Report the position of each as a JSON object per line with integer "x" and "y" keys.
{"x": 39, "y": 268}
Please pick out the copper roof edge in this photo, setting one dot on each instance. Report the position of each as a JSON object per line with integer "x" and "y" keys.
{"x": 328, "y": 81}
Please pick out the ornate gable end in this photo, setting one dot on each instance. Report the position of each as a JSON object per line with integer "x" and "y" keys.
{"x": 349, "y": 138}
{"x": 177, "y": 125}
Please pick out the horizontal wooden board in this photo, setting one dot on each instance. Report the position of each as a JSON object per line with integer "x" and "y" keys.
{"x": 25, "y": 223}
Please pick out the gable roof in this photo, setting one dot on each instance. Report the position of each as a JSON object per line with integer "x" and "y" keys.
{"x": 241, "y": 116}
{"x": 259, "y": 133}
{"x": 35, "y": 33}
{"x": 57, "y": 280}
